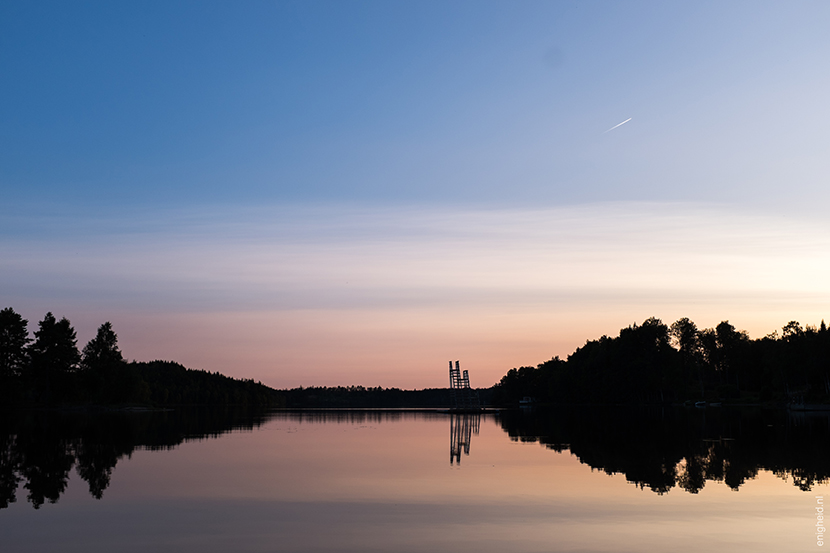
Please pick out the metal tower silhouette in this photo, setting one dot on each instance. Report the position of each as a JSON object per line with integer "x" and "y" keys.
{"x": 463, "y": 397}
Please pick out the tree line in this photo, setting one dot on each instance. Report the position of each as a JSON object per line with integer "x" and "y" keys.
{"x": 360, "y": 397}
{"x": 658, "y": 363}
{"x": 49, "y": 369}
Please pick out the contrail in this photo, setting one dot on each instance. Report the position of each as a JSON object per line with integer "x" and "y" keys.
{"x": 615, "y": 126}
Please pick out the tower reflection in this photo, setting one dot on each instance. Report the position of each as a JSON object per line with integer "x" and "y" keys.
{"x": 462, "y": 428}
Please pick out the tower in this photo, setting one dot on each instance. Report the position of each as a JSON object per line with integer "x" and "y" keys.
{"x": 462, "y": 396}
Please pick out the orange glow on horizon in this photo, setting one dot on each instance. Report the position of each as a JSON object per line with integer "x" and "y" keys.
{"x": 386, "y": 297}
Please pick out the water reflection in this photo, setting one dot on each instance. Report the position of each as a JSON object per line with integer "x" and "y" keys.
{"x": 663, "y": 448}
{"x": 462, "y": 428}
{"x": 40, "y": 448}
{"x": 357, "y": 416}
{"x": 655, "y": 449}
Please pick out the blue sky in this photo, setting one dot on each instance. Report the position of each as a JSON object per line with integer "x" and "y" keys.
{"x": 470, "y": 103}
{"x": 167, "y": 162}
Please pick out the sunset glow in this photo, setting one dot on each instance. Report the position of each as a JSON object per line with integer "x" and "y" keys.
{"x": 332, "y": 296}
{"x": 352, "y": 194}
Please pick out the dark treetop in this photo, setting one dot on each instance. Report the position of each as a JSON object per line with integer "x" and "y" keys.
{"x": 656, "y": 363}
{"x": 50, "y": 371}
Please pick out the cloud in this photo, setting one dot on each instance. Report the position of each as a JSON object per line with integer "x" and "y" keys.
{"x": 342, "y": 257}
{"x": 322, "y": 291}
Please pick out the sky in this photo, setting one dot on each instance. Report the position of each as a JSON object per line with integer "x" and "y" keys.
{"x": 354, "y": 193}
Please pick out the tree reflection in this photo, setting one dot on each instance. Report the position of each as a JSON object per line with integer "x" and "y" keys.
{"x": 45, "y": 466}
{"x": 41, "y": 448}
{"x": 95, "y": 464}
{"x": 658, "y": 449}
{"x": 9, "y": 462}
{"x": 663, "y": 448}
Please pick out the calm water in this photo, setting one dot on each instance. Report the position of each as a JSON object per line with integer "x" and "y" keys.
{"x": 568, "y": 480}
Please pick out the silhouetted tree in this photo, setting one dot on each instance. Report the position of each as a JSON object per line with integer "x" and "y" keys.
{"x": 641, "y": 365}
{"x": 104, "y": 371}
{"x": 684, "y": 334}
{"x": 54, "y": 355}
{"x": 14, "y": 358}
{"x": 686, "y": 337}
{"x": 730, "y": 343}
{"x": 102, "y": 351}
{"x": 14, "y": 337}
{"x": 792, "y": 331}
{"x": 710, "y": 354}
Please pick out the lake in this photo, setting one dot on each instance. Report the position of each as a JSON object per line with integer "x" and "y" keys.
{"x": 638, "y": 480}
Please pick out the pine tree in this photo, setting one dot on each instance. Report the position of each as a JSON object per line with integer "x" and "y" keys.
{"x": 102, "y": 351}
{"x": 54, "y": 355}
{"x": 106, "y": 375}
{"x": 14, "y": 337}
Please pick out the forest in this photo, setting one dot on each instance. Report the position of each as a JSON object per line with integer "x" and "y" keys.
{"x": 360, "y": 397}
{"x": 50, "y": 370}
{"x": 649, "y": 363}
{"x": 658, "y": 363}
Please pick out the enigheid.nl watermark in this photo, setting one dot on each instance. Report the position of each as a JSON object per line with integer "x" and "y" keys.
{"x": 820, "y": 529}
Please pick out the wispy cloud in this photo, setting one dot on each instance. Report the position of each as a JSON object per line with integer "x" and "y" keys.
{"x": 398, "y": 275}
{"x": 326, "y": 257}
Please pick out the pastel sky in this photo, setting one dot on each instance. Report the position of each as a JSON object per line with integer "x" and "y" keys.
{"x": 336, "y": 193}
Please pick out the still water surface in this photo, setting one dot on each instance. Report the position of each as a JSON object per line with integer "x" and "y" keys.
{"x": 567, "y": 480}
